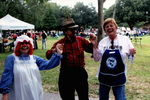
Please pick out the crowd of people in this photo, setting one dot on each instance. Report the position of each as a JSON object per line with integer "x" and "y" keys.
{"x": 134, "y": 32}
{"x": 21, "y": 79}
{"x": 33, "y": 35}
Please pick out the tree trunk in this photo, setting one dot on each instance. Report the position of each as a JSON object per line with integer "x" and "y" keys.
{"x": 100, "y": 34}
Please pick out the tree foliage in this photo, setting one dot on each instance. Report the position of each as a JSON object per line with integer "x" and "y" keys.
{"x": 109, "y": 12}
{"x": 49, "y": 21}
{"x": 130, "y": 11}
{"x": 46, "y": 15}
{"x": 84, "y": 15}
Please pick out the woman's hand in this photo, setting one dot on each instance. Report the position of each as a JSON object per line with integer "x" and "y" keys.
{"x": 133, "y": 51}
{"x": 59, "y": 48}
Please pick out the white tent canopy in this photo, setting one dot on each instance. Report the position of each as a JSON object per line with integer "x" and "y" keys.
{"x": 10, "y": 23}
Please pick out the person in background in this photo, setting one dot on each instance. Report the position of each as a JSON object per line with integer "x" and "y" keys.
{"x": 53, "y": 34}
{"x": 17, "y": 33}
{"x": 12, "y": 43}
{"x": 56, "y": 35}
{"x": 29, "y": 35}
{"x": 82, "y": 34}
{"x": 112, "y": 52}
{"x": 0, "y": 36}
{"x": 34, "y": 37}
{"x": 21, "y": 79}
{"x": 14, "y": 35}
{"x": 44, "y": 38}
{"x": 73, "y": 76}
{"x": 9, "y": 35}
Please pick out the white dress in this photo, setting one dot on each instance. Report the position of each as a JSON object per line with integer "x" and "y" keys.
{"x": 27, "y": 81}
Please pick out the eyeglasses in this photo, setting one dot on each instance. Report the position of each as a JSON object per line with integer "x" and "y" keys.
{"x": 112, "y": 44}
{"x": 24, "y": 43}
{"x": 72, "y": 29}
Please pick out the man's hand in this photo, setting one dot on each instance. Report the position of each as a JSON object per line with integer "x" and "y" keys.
{"x": 93, "y": 40}
{"x": 5, "y": 96}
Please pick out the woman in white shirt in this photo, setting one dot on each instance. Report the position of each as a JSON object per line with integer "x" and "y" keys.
{"x": 112, "y": 52}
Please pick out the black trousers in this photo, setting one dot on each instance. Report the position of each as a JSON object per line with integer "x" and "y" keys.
{"x": 71, "y": 79}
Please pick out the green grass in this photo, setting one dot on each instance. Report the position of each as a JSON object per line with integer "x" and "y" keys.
{"x": 138, "y": 74}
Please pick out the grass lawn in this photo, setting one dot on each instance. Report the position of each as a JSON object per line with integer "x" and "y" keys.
{"x": 138, "y": 75}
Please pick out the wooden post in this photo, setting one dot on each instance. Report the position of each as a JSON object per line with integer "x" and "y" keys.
{"x": 115, "y": 9}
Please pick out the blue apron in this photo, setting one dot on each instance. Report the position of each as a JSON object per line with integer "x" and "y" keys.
{"x": 112, "y": 70}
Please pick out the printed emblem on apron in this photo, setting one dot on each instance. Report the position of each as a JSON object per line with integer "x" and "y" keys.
{"x": 111, "y": 62}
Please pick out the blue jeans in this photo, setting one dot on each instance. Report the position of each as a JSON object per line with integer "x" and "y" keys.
{"x": 119, "y": 92}
{"x": 44, "y": 42}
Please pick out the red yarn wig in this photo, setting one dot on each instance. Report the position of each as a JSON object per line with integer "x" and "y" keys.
{"x": 17, "y": 49}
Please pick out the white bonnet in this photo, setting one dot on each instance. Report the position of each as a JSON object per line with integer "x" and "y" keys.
{"x": 21, "y": 39}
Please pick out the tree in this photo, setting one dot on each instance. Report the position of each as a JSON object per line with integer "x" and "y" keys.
{"x": 12, "y": 7}
{"x": 58, "y": 11}
{"x": 100, "y": 20}
{"x": 49, "y": 21}
{"x": 37, "y": 1}
{"x": 35, "y": 13}
{"x": 3, "y": 8}
{"x": 84, "y": 15}
{"x": 109, "y": 12}
{"x": 31, "y": 11}
{"x": 132, "y": 11}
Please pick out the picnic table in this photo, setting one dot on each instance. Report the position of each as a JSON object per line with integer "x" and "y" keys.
{"x": 4, "y": 45}
{"x": 137, "y": 42}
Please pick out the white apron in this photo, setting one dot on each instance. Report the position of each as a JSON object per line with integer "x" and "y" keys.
{"x": 27, "y": 81}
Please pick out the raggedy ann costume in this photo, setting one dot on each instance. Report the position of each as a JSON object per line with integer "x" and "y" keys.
{"x": 21, "y": 77}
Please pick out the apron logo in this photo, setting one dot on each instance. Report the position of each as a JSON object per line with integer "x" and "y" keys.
{"x": 111, "y": 62}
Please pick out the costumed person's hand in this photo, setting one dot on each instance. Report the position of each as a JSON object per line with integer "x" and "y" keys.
{"x": 133, "y": 51}
{"x": 93, "y": 40}
{"x": 59, "y": 48}
{"x": 5, "y": 96}
{"x": 53, "y": 50}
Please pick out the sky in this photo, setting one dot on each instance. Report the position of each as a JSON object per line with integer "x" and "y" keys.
{"x": 71, "y": 3}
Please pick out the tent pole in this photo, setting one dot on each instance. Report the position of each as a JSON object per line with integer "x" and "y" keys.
{"x": 1, "y": 37}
